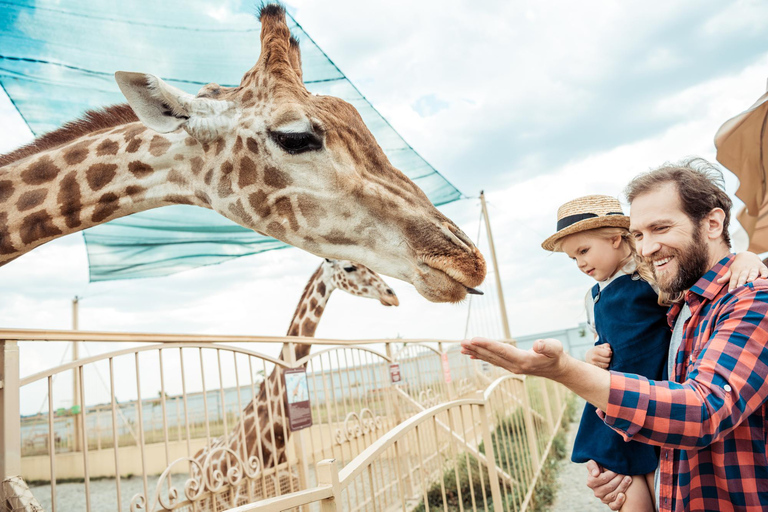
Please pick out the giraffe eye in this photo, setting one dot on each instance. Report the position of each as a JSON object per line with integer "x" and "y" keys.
{"x": 295, "y": 143}
{"x": 350, "y": 269}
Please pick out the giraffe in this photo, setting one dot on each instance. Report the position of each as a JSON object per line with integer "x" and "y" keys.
{"x": 266, "y": 154}
{"x": 261, "y": 431}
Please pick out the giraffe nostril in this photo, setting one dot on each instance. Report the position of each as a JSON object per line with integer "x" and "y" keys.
{"x": 389, "y": 291}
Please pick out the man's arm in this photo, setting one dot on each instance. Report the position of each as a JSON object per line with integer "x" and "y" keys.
{"x": 546, "y": 359}
{"x": 726, "y": 384}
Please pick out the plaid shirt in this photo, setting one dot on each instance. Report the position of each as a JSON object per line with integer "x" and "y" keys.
{"x": 711, "y": 422}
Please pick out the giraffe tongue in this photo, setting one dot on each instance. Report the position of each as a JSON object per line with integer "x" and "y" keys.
{"x": 472, "y": 291}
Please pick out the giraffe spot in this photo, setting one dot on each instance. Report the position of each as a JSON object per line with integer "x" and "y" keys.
{"x": 76, "y": 153}
{"x": 178, "y": 157}
{"x": 134, "y": 190}
{"x": 259, "y": 202}
{"x": 175, "y": 176}
{"x": 99, "y": 175}
{"x": 132, "y": 131}
{"x": 6, "y": 189}
{"x": 178, "y": 199}
{"x": 29, "y": 200}
{"x": 321, "y": 288}
{"x": 319, "y": 311}
{"x": 158, "y": 145}
{"x": 197, "y": 165}
{"x": 37, "y": 226}
{"x": 69, "y": 199}
{"x": 140, "y": 169}
{"x": 6, "y": 247}
{"x": 248, "y": 96}
{"x": 190, "y": 141}
{"x": 203, "y": 197}
{"x": 308, "y": 326}
{"x": 40, "y": 172}
{"x": 107, "y": 205}
{"x": 337, "y": 237}
{"x": 293, "y": 330}
{"x": 248, "y": 172}
{"x": 238, "y": 209}
{"x": 303, "y": 310}
{"x": 253, "y": 146}
{"x": 285, "y": 210}
{"x": 133, "y": 146}
{"x": 107, "y": 147}
{"x": 208, "y": 177}
{"x": 220, "y": 145}
{"x": 227, "y": 167}
{"x": 238, "y": 145}
{"x": 310, "y": 209}
{"x": 312, "y": 303}
{"x": 225, "y": 186}
{"x": 276, "y": 178}
{"x": 276, "y": 230}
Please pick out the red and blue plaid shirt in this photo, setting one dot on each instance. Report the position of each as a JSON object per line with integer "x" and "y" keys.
{"x": 711, "y": 422}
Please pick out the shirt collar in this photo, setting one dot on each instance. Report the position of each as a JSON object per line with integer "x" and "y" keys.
{"x": 628, "y": 269}
{"x": 707, "y": 286}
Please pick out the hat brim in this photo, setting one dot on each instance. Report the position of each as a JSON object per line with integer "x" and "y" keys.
{"x": 605, "y": 221}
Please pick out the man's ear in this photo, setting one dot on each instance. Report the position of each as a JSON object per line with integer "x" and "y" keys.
{"x": 164, "y": 108}
{"x": 712, "y": 224}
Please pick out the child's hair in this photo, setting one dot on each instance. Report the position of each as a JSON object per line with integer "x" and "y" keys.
{"x": 645, "y": 272}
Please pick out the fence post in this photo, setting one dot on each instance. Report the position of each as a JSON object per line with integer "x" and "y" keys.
{"x": 490, "y": 457}
{"x": 10, "y": 414}
{"x": 530, "y": 429}
{"x": 289, "y": 354}
{"x": 548, "y": 408}
{"x": 328, "y": 474}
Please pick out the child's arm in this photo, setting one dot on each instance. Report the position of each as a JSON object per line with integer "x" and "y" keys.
{"x": 599, "y": 356}
{"x": 746, "y": 267}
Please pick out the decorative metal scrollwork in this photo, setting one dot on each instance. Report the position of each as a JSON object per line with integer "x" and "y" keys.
{"x": 356, "y": 425}
{"x": 428, "y": 398}
{"x": 206, "y": 479}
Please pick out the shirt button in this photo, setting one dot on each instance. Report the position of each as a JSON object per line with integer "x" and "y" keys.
{"x": 727, "y": 388}
{"x": 666, "y": 455}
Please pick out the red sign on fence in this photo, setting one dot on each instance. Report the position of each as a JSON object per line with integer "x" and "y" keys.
{"x": 394, "y": 372}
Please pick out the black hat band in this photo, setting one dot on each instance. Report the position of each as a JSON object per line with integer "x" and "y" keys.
{"x": 573, "y": 219}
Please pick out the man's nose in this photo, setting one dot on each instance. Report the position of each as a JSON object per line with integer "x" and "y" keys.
{"x": 647, "y": 246}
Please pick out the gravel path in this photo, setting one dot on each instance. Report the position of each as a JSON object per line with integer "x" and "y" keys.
{"x": 573, "y": 495}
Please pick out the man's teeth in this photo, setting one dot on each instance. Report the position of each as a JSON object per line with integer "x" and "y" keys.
{"x": 661, "y": 262}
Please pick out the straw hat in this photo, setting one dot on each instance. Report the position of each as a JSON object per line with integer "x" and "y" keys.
{"x": 584, "y": 213}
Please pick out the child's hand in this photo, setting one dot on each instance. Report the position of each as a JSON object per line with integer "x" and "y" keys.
{"x": 599, "y": 356}
{"x": 746, "y": 267}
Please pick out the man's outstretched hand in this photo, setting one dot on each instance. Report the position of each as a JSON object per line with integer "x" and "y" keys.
{"x": 545, "y": 359}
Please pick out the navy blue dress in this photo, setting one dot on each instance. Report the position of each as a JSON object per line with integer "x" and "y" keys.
{"x": 629, "y": 318}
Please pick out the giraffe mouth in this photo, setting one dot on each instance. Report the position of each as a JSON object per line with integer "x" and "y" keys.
{"x": 389, "y": 300}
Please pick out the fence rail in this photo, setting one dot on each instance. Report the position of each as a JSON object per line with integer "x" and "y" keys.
{"x": 205, "y": 424}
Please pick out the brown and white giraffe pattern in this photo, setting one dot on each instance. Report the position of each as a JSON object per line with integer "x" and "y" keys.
{"x": 266, "y": 154}
{"x": 261, "y": 432}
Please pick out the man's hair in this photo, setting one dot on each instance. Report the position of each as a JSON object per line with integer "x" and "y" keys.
{"x": 699, "y": 184}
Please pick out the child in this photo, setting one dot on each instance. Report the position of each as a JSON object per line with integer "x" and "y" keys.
{"x": 631, "y": 326}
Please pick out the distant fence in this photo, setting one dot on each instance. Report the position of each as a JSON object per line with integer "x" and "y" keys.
{"x": 180, "y": 426}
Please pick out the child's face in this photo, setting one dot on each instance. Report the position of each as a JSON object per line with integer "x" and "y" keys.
{"x": 596, "y": 256}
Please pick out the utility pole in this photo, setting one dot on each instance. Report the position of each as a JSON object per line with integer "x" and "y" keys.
{"x": 491, "y": 247}
{"x": 78, "y": 417}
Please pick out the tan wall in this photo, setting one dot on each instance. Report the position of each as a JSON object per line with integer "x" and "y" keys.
{"x": 101, "y": 463}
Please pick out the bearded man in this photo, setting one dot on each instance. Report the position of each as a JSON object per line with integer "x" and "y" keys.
{"x": 710, "y": 418}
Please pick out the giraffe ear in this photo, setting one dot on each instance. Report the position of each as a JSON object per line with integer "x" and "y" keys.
{"x": 159, "y": 106}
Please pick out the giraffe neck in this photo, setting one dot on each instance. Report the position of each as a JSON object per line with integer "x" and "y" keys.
{"x": 309, "y": 310}
{"x": 93, "y": 179}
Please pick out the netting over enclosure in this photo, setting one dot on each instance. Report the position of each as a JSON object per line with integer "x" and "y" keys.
{"x": 57, "y": 60}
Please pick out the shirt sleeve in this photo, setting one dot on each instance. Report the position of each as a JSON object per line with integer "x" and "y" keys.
{"x": 726, "y": 384}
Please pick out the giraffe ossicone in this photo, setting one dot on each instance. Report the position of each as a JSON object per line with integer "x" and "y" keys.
{"x": 267, "y": 154}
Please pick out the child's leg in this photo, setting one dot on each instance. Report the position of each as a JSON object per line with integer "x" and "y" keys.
{"x": 639, "y": 495}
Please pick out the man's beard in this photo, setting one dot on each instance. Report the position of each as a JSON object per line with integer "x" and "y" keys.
{"x": 692, "y": 264}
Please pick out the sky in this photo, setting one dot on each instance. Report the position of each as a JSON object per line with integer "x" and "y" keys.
{"x": 534, "y": 102}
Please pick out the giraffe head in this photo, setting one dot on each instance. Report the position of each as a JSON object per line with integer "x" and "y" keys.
{"x": 358, "y": 280}
{"x": 305, "y": 169}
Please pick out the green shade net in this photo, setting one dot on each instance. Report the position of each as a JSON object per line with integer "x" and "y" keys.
{"x": 57, "y": 60}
